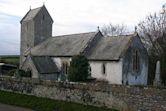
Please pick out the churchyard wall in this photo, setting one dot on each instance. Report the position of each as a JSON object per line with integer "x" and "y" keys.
{"x": 123, "y": 98}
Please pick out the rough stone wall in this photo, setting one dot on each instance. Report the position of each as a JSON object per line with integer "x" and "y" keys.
{"x": 27, "y": 41}
{"x": 123, "y": 98}
{"x": 42, "y": 26}
{"x": 35, "y": 31}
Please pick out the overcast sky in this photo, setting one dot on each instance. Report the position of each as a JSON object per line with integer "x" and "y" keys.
{"x": 71, "y": 16}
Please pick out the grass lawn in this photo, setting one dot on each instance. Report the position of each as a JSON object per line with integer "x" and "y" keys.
{"x": 10, "y": 59}
{"x": 44, "y": 104}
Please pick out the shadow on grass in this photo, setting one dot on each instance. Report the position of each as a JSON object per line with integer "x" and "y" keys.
{"x": 45, "y": 104}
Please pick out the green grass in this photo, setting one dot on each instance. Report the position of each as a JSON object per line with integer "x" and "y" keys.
{"x": 10, "y": 59}
{"x": 44, "y": 104}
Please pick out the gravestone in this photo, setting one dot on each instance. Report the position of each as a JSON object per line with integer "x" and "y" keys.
{"x": 157, "y": 81}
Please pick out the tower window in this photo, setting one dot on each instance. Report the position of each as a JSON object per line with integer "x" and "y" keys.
{"x": 136, "y": 61}
{"x": 27, "y": 45}
{"x": 43, "y": 17}
{"x": 103, "y": 69}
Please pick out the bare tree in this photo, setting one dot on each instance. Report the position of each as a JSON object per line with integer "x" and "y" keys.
{"x": 152, "y": 28}
{"x": 113, "y": 30}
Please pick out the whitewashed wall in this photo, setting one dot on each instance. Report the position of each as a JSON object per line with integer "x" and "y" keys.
{"x": 59, "y": 60}
{"x": 113, "y": 71}
{"x": 96, "y": 70}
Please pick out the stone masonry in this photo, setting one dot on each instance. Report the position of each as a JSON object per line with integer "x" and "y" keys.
{"x": 123, "y": 98}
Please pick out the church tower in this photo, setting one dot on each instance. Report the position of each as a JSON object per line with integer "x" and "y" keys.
{"x": 36, "y": 27}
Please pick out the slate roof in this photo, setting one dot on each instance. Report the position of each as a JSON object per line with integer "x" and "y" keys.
{"x": 65, "y": 45}
{"x": 110, "y": 48}
{"x": 31, "y": 14}
{"x": 45, "y": 65}
{"x": 107, "y": 48}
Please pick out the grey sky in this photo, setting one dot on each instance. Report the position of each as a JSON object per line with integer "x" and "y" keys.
{"x": 71, "y": 16}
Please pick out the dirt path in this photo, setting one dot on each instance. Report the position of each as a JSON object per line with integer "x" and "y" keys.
{"x": 4, "y": 107}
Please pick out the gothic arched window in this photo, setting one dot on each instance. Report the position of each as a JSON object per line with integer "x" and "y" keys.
{"x": 136, "y": 61}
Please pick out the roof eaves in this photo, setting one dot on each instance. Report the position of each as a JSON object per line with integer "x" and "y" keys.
{"x": 117, "y": 59}
{"x": 48, "y": 13}
{"x": 29, "y": 12}
{"x": 128, "y": 45}
{"x": 25, "y": 16}
{"x": 89, "y": 43}
{"x": 38, "y": 12}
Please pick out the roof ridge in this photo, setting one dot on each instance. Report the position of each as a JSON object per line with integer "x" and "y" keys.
{"x": 36, "y": 8}
{"x": 127, "y": 35}
{"x": 73, "y": 34}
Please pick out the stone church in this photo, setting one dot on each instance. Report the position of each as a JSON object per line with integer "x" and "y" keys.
{"x": 118, "y": 60}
